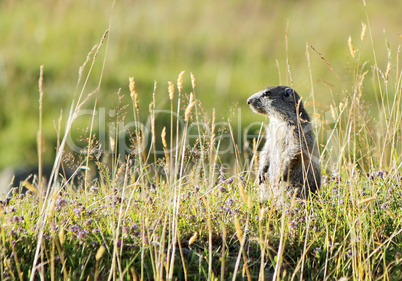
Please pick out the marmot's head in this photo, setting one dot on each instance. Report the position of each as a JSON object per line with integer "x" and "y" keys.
{"x": 281, "y": 102}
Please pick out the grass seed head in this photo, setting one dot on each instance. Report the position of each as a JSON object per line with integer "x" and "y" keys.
{"x": 351, "y": 47}
{"x": 189, "y": 108}
{"x": 387, "y": 71}
{"x": 112, "y": 143}
{"x": 193, "y": 238}
{"x": 192, "y": 80}
{"x": 239, "y": 231}
{"x": 171, "y": 90}
{"x": 180, "y": 81}
{"x": 163, "y": 135}
{"x": 62, "y": 237}
{"x": 133, "y": 93}
{"x": 100, "y": 252}
{"x": 363, "y": 33}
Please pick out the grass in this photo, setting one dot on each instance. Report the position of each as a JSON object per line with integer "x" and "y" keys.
{"x": 175, "y": 197}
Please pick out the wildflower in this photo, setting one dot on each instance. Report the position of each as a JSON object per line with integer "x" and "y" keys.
{"x": 385, "y": 206}
{"x": 88, "y": 221}
{"x": 126, "y": 229}
{"x": 60, "y": 202}
{"x": 222, "y": 189}
{"x": 53, "y": 226}
{"x": 82, "y": 234}
{"x": 229, "y": 202}
{"x": 349, "y": 253}
{"x": 74, "y": 228}
{"x": 95, "y": 230}
{"x": 77, "y": 211}
{"x": 229, "y": 180}
{"x": 293, "y": 224}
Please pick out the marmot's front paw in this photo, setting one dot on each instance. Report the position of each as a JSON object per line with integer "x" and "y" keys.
{"x": 262, "y": 174}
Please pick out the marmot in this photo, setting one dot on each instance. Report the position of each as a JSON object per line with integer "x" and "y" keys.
{"x": 289, "y": 158}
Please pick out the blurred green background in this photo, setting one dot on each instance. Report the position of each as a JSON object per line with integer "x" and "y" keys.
{"x": 234, "y": 48}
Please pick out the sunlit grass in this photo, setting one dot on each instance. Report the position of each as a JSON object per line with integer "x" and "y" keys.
{"x": 192, "y": 210}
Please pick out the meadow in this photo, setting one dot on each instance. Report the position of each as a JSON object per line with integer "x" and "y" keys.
{"x": 164, "y": 182}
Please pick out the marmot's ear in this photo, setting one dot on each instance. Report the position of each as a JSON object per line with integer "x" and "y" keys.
{"x": 288, "y": 92}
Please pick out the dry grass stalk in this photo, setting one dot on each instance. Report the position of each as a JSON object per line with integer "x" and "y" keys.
{"x": 40, "y": 132}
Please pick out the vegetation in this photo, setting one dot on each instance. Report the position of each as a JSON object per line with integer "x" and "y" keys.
{"x": 173, "y": 195}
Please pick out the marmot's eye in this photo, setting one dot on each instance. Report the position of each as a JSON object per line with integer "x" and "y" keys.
{"x": 266, "y": 94}
{"x": 288, "y": 92}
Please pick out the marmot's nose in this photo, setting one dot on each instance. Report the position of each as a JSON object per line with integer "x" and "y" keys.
{"x": 248, "y": 101}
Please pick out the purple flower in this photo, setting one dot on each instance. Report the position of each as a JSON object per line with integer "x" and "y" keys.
{"x": 82, "y": 234}
{"x": 384, "y": 206}
{"x": 60, "y": 202}
{"x": 74, "y": 228}
{"x": 317, "y": 250}
{"x": 222, "y": 189}
{"x": 229, "y": 202}
{"x": 293, "y": 224}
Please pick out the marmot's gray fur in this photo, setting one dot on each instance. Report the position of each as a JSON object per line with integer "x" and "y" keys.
{"x": 289, "y": 159}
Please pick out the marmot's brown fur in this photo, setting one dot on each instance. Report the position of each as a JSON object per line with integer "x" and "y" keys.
{"x": 289, "y": 159}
